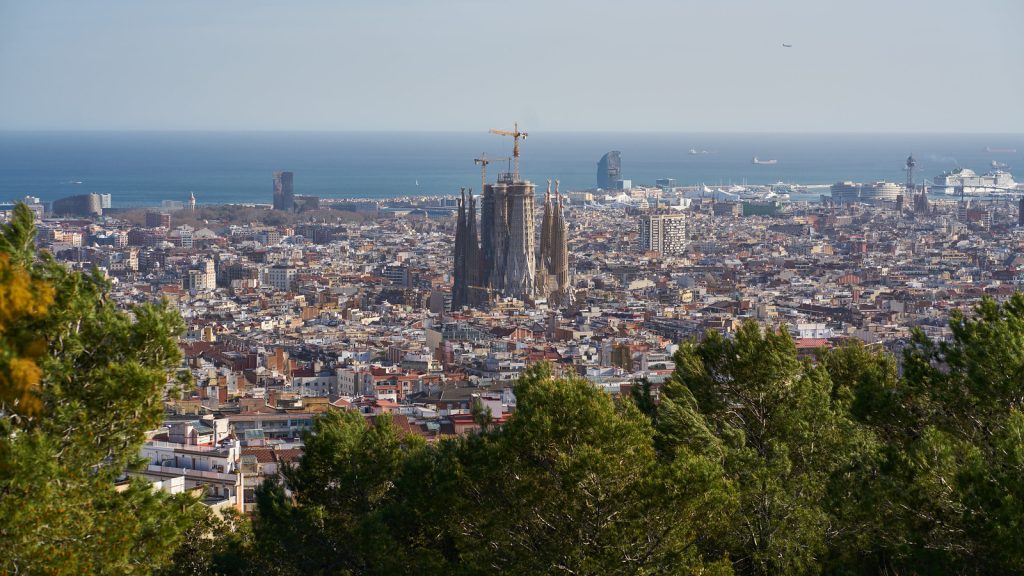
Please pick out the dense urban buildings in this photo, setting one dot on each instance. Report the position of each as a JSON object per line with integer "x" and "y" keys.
{"x": 424, "y": 307}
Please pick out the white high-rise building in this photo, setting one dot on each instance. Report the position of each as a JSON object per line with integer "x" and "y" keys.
{"x": 663, "y": 233}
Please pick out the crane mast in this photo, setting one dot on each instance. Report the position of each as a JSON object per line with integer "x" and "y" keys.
{"x": 483, "y": 161}
{"x": 516, "y": 135}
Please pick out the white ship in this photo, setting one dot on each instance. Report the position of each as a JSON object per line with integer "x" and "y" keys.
{"x": 995, "y": 182}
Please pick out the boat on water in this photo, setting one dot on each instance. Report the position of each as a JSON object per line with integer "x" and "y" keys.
{"x": 764, "y": 162}
{"x": 1001, "y": 150}
{"x": 999, "y": 165}
{"x": 966, "y": 181}
{"x": 695, "y": 152}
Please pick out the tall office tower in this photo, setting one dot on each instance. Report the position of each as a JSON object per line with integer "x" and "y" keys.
{"x": 284, "y": 193}
{"x": 1020, "y": 212}
{"x": 663, "y": 233}
{"x": 609, "y": 170}
{"x": 466, "y": 285}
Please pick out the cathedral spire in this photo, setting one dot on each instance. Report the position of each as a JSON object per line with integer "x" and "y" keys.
{"x": 560, "y": 252}
{"x": 459, "y": 281}
{"x": 473, "y": 262}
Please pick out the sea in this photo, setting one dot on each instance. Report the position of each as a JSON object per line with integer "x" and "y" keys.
{"x": 144, "y": 168}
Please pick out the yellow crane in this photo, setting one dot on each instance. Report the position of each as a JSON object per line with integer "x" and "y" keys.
{"x": 516, "y": 135}
{"x": 483, "y": 161}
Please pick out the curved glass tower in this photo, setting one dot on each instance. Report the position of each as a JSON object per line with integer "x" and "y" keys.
{"x": 609, "y": 170}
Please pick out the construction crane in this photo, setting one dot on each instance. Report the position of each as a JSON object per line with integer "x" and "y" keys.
{"x": 516, "y": 135}
{"x": 483, "y": 161}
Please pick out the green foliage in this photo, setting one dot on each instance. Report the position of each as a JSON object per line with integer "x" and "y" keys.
{"x": 569, "y": 485}
{"x": 752, "y": 461}
{"x": 346, "y": 478}
{"x": 100, "y": 380}
{"x": 769, "y": 419}
{"x": 571, "y": 465}
{"x": 960, "y": 480}
{"x": 642, "y": 395}
{"x": 217, "y": 546}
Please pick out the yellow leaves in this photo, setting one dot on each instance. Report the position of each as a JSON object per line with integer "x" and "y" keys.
{"x": 22, "y": 300}
{"x": 21, "y": 297}
{"x": 18, "y": 383}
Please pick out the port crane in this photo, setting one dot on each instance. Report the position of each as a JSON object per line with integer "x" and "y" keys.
{"x": 516, "y": 135}
{"x": 483, "y": 161}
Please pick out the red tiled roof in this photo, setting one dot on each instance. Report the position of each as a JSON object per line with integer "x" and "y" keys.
{"x": 288, "y": 455}
{"x": 263, "y": 455}
{"x": 804, "y": 343}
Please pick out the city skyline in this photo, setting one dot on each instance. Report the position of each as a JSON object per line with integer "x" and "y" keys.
{"x": 658, "y": 66}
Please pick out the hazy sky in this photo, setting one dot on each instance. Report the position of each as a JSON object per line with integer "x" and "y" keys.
{"x": 602, "y": 65}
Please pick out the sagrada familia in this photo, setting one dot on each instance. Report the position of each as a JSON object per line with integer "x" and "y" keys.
{"x": 504, "y": 259}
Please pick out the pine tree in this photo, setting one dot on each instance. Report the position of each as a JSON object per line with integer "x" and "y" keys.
{"x": 769, "y": 419}
{"x": 952, "y": 481}
{"x": 82, "y": 382}
{"x": 568, "y": 485}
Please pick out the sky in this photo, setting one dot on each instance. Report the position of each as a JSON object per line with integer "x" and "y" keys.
{"x": 553, "y": 65}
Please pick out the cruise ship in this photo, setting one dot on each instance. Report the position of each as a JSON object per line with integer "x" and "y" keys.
{"x": 995, "y": 182}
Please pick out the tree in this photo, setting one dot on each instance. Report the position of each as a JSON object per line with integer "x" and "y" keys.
{"x": 953, "y": 476}
{"x": 568, "y": 485}
{"x": 482, "y": 415}
{"x": 23, "y": 301}
{"x": 332, "y": 524}
{"x": 642, "y": 394}
{"x": 769, "y": 419}
{"x": 82, "y": 382}
{"x": 574, "y": 487}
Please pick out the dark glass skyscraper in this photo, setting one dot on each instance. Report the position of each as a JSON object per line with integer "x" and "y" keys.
{"x": 609, "y": 170}
{"x": 284, "y": 192}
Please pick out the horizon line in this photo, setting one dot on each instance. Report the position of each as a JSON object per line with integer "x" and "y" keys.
{"x": 484, "y": 131}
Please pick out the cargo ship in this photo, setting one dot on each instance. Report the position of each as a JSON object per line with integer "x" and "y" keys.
{"x": 765, "y": 162}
